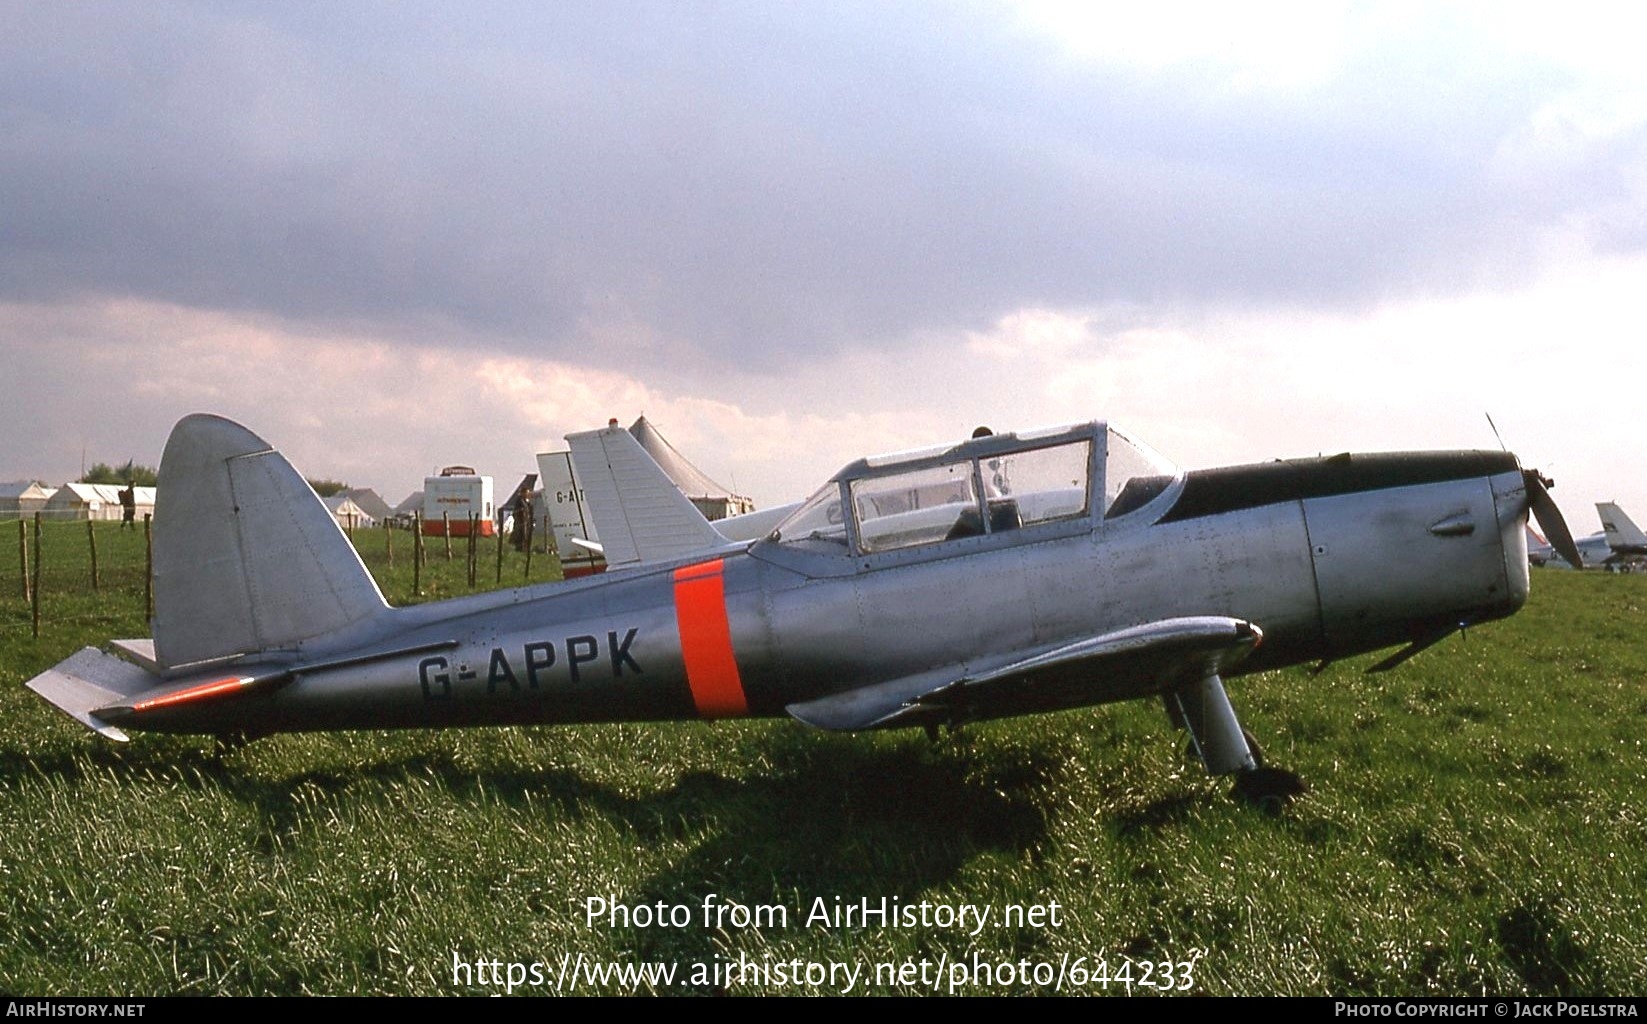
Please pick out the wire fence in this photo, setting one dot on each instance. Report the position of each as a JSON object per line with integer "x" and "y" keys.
{"x": 104, "y": 514}
{"x": 66, "y": 572}
{"x": 57, "y": 574}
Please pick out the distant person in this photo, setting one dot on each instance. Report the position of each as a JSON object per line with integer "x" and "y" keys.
{"x": 517, "y": 521}
{"x": 128, "y": 506}
{"x": 516, "y": 513}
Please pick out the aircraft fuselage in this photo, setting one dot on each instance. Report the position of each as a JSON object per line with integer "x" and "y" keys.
{"x": 1328, "y": 557}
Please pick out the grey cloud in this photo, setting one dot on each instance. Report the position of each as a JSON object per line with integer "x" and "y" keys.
{"x": 741, "y": 182}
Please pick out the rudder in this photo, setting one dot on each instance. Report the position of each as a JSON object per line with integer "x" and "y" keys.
{"x": 246, "y": 557}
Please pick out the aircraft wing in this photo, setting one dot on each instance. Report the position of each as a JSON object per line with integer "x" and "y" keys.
{"x": 1135, "y": 662}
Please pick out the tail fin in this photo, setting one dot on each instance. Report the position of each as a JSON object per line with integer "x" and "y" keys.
{"x": 246, "y": 558}
{"x": 1623, "y": 536}
{"x": 564, "y": 511}
{"x": 639, "y": 514}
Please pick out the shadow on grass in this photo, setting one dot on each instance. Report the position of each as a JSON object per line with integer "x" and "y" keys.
{"x": 878, "y": 817}
{"x": 1540, "y": 941}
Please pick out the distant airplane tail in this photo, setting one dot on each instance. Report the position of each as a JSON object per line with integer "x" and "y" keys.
{"x": 246, "y": 558}
{"x": 639, "y": 514}
{"x": 565, "y": 517}
{"x": 1623, "y": 536}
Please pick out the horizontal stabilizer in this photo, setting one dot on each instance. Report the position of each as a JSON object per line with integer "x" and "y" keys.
{"x": 1151, "y": 658}
{"x": 91, "y": 679}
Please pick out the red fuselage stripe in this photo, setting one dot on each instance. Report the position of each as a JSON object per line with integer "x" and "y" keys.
{"x": 193, "y": 693}
{"x": 706, "y": 642}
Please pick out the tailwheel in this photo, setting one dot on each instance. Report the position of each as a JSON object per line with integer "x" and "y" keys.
{"x": 1271, "y": 790}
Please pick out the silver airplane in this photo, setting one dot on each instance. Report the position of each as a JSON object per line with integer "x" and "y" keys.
{"x": 1005, "y": 575}
{"x": 1619, "y": 547}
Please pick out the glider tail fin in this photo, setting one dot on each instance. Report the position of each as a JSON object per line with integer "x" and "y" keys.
{"x": 246, "y": 557}
{"x": 566, "y": 517}
{"x": 639, "y": 514}
{"x": 1622, "y": 532}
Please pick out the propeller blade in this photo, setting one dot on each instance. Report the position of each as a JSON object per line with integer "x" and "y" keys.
{"x": 1550, "y": 520}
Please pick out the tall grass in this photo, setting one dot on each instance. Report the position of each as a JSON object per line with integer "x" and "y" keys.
{"x": 1475, "y": 825}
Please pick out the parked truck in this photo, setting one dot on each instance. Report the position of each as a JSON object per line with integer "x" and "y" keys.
{"x": 453, "y": 499}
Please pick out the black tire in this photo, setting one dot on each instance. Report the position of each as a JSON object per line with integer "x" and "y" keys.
{"x": 1271, "y": 790}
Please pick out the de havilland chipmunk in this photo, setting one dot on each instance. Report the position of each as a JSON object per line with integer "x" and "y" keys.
{"x": 1005, "y": 575}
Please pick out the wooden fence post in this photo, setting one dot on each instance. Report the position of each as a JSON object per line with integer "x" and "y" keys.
{"x": 531, "y": 525}
{"x": 91, "y": 539}
{"x": 474, "y": 528}
{"x": 417, "y": 554}
{"x": 500, "y": 558}
{"x": 446, "y": 528}
{"x": 35, "y": 601}
{"x": 23, "y": 556}
{"x": 389, "y": 542}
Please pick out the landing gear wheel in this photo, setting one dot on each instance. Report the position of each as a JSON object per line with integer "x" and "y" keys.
{"x": 1271, "y": 790}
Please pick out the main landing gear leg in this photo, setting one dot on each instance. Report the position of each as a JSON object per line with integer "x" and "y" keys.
{"x": 1225, "y": 748}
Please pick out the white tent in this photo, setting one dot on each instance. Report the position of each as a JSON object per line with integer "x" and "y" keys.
{"x": 95, "y": 501}
{"x": 348, "y": 514}
{"x": 713, "y": 500}
{"x": 22, "y": 498}
{"x": 371, "y": 503}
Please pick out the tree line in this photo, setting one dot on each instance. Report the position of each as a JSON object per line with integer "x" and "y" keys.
{"x": 146, "y": 476}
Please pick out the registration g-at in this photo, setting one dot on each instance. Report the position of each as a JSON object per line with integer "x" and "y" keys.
{"x": 1005, "y": 575}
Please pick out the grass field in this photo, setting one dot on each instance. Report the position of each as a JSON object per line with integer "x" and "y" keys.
{"x": 1476, "y": 825}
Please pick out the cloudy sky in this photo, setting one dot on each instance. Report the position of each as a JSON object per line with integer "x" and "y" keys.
{"x": 389, "y": 237}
